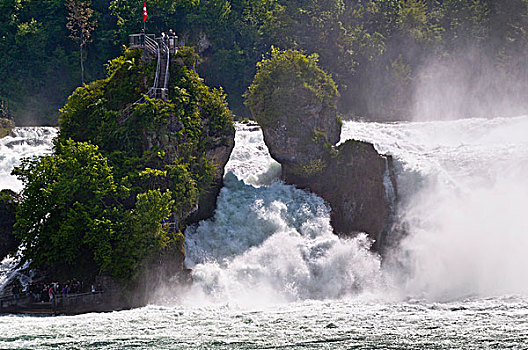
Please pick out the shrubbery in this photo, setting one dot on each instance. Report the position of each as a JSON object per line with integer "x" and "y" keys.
{"x": 98, "y": 203}
{"x": 287, "y": 82}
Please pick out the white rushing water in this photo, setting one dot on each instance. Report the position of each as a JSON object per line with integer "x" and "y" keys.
{"x": 25, "y": 142}
{"x": 464, "y": 197}
{"x": 272, "y": 244}
{"x": 269, "y": 273}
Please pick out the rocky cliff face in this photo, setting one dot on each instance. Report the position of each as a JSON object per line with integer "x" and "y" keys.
{"x": 353, "y": 178}
{"x": 218, "y": 155}
{"x": 354, "y": 182}
{"x": 300, "y": 142}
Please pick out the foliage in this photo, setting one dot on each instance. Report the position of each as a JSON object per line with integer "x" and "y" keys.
{"x": 71, "y": 189}
{"x": 71, "y": 220}
{"x": 287, "y": 82}
{"x": 97, "y": 204}
{"x": 8, "y": 207}
{"x": 357, "y": 42}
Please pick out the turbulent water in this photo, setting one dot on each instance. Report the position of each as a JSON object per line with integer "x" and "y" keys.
{"x": 269, "y": 273}
{"x": 25, "y": 142}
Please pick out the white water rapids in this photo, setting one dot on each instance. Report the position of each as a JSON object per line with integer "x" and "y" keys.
{"x": 272, "y": 244}
{"x": 269, "y": 273}
{"x": 25, "y": 142}
{"x": 463, "y": 200}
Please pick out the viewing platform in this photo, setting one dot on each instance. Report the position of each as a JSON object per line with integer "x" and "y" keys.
{"x": 161, "y": 48}
{"x": 140, "y": 41}
{"x": 71, "y": 304}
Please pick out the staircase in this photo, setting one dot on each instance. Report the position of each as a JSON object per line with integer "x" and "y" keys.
{"x": 158, "y": 48}
{"x": 163, "y": 72}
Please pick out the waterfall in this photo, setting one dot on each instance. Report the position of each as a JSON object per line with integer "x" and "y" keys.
{"x": 462, "y": 199}
{"x": 24, "y": 142}
{"x": 464, "y": 193}
{"x": 272, "y": 243}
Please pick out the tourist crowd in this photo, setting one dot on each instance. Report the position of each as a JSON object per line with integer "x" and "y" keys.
{"x": 45, "y": 292}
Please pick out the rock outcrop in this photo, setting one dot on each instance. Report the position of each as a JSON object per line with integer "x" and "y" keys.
{"x": 353, "y": 178}
{"x": 294, "y": 102}
{"x": 358, "y": 184}
{"x": 6, "y": 126}
{"x": 171, "y": 154}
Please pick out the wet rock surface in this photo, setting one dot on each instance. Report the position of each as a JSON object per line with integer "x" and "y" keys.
{"x": 353, "y": 182}
{"x": 353, "y": 178}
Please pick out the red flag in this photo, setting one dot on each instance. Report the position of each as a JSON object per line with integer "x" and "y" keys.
{"x": 145, "y": 15}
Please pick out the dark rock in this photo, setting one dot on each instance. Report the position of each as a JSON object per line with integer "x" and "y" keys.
{"x": 6, "y": 127}
{"x": 8, "y": 205}
{"x": 353, "y": 178}
{"x": 301, "y": 140}
{"x": 29, "y": 142}
{"x": 353, "y": 182}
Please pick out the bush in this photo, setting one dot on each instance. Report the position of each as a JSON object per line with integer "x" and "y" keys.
{"x": 287, "y": 82}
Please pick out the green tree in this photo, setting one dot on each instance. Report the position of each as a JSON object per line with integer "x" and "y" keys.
{"x": 81, "y": 24}
{"x": 73, "y": 188}
{"x": 8, "y": 207}
{"x": 286, "y": 82}
{"x": 71, "y": 220}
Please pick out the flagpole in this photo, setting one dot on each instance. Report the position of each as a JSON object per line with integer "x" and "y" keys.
{"x": 144, "y": 14}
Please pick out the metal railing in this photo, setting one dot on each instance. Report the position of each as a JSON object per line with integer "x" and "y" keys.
{"x": 155, "y": 46}
{"x": 166, "y": 80}
{"x": 137, "y": 40}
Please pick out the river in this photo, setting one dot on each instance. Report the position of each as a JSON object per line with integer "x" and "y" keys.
{"x": 269, "y": 272}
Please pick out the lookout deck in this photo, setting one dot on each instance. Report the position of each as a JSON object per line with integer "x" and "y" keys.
{"x": 71, "y": 304}
{"x": 161, "y": 48}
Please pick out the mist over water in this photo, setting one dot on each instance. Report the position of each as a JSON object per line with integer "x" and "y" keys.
{"x": 469, "y": 83}
{"x": 464, "y": 195}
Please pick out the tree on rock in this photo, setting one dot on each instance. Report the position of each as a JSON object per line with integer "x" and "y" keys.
{"x": 71, "y": 221}
{"x": 115, "y": 197}
{"x": 295, "y": 103}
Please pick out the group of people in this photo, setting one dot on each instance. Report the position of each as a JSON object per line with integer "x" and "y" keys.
{"x": 45, "y": 292}
{"x": 170, "y": 40}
